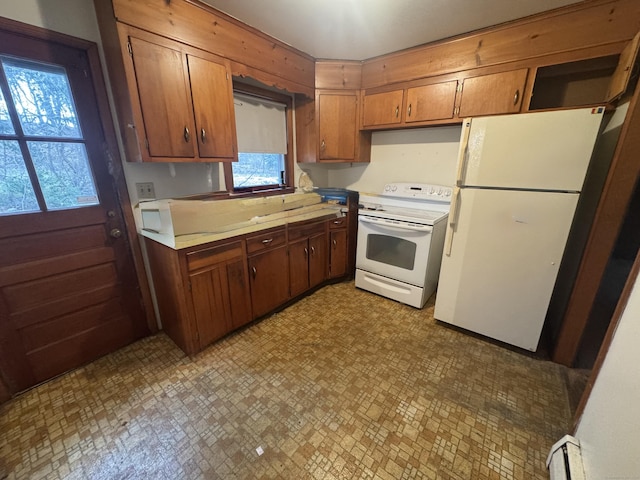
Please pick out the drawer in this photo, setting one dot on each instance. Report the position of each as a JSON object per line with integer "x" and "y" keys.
{"x": 340, "y": 222}
{"x": 303, "y": 231}
{"x": 214, "y": 255}
{"x": 265, "y": 241}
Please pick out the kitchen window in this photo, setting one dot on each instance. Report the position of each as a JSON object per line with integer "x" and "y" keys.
{"x": 263, "y": 120}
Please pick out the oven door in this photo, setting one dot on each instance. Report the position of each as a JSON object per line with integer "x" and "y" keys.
{"x": 393, "y": 249}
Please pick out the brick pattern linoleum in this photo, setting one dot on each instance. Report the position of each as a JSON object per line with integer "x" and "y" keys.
{"x": 341, "y": 385}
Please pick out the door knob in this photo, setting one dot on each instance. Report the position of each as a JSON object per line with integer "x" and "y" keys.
{"x": 115, "y": 233}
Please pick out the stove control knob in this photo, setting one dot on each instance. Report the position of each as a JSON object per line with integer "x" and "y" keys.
{"x": 387, "y": 188}
{"x": 447, "y": 193}
{"x": 394, "y": 188}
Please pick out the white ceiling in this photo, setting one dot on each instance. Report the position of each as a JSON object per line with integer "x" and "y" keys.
{"x": 361, "y": 29}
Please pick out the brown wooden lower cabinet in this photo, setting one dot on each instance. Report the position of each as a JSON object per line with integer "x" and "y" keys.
{"x": 307, "y": 257}
{"x": 338, "y": 253}
{"x": 269, "y": 280}
{"x": 204, "y": 292}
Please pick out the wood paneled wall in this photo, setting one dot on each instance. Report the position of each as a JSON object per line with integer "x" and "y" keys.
{"x": 194, "y": 23}
{"x": 587, "y": 25}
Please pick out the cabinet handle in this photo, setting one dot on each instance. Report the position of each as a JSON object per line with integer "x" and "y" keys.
{"x": 322, "y": 144}
{"x": 516, "y": 97}
{"x": 187, "y": 135}
{"x": 335, "y": 243}
{"x": 409, "y": 111}
{"x": 267, "y": 241}
{"x": 253, "y": 269}
{"x": 313, "y": 251}
{"x": 338, "y": 222}
{"x": 203, "y": 135}
{"x": 306, "y": 252}
{"x": 397, "y": 110}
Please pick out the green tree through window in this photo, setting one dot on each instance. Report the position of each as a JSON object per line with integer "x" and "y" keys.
{"x": 43, "y": 158}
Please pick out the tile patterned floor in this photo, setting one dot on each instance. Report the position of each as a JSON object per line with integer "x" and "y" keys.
{"x": 341, "y": 385}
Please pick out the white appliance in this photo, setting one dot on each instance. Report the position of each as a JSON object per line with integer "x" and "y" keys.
{"x": 400, "y": 241}
{"x": 518, "y": 182}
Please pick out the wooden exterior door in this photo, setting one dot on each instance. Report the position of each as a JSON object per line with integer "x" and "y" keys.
{"x": 68, "y": 287}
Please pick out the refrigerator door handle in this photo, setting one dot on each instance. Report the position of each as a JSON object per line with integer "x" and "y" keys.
{"x": 453, "y": 219}
{"x": 464, "y": 152}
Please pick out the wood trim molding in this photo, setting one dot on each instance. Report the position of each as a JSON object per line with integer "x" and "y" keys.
{"x": 616, "y": 194}
{"x": 115, "y": 167}
{"x": 606, "y": 343}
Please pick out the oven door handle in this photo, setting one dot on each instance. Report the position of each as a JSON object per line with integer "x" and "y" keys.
{"x": 401, "y": 227}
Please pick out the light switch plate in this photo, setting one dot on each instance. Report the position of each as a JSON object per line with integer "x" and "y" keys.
{"x": 145, "y": 191}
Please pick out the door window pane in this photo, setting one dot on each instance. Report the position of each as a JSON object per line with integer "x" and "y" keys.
{"x": 64, "y": 174}
{"x": 5, "y": 121}
{"x": 16, "y": 192}
{"x": 393, "y": 251}
{"x": 43, "y": 99}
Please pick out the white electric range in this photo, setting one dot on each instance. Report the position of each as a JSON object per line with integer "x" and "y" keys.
{"x": 400, "y": 241}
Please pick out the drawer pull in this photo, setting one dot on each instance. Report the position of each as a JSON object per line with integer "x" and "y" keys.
{"x": 516, "y": 97}
{"x": 338, "y": 222}
{"x": 203, "y": 135}
{"x": 255, "y": 272}
{"x": 397, "y": 110}
{"x": 306, "y": 252}
{"x": 267, "y": 241}
{"x": 409, "y": 111}
{"x": 187, "y": 134}
{"x": 313, "y": 250}
{"x": 335, "y": 243}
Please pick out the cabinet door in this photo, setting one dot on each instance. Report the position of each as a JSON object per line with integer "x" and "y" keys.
{"x": 165, "y": 99}
{"x": 212, "y": 308}
{"x": 317, "y": 259}
{"x": 382, "y": 108}
{"x": 338, "y": 253}
{"x": 299, "y": 267}
{"x": 337, "y": 126}
{"x": 269, "y": 273}
{"x": 239, "y": 297}
{"x": 213, "y": 108}
{"x": 431, "y": 102}
{"x": 493, "y": 94}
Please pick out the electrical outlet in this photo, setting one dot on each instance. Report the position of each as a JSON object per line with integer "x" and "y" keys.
{"x": 145, "y": 191}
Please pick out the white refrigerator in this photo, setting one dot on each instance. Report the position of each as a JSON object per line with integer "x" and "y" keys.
{"x": 518, "y": 182}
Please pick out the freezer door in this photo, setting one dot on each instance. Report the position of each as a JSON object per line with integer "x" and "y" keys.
{"x": 504, "y": 252}
{"x": 542, "y": 150}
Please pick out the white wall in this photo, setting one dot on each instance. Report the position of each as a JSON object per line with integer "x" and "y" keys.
{"x": 609, "y": 430}
{"x": 424, "y": 155}
{"x": 73, "y": 17}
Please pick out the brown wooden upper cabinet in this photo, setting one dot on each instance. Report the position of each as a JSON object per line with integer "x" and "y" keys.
{"x": 181, "y": 100}
{"x": 406, "y": 107}
{"x": 328, "y": 128}
{"x": 338, "y": 126}
{"x": 492, "y": 94}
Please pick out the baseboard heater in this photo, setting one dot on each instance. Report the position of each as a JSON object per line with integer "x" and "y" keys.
{"x": 565, "y": 460}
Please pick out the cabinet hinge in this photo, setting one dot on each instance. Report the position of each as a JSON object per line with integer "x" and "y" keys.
{"x": 130, "y": 49}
